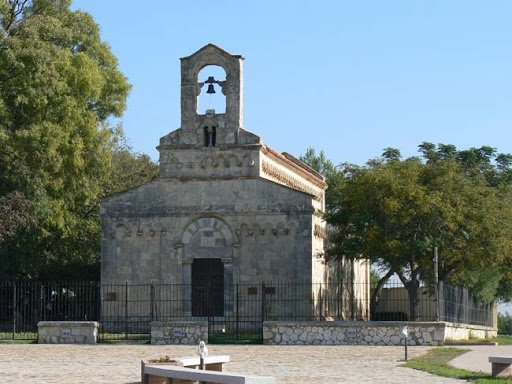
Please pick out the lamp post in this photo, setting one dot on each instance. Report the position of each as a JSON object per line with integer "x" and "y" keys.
{"x": 405, "y": 332}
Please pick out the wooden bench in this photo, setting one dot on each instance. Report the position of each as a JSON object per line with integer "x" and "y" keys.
{"x": 501, "y": 366}
{"x": 174, "y": 375}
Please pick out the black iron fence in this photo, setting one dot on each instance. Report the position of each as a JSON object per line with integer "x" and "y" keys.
{"x": 458, "y": 305}
{"x": 455, "y": 305}
{"x": 24, "y": 304}
{"x": 233, "y": 312}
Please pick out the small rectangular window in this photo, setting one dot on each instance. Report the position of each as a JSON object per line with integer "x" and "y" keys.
{"x": 214, "y": 136}
{"x": 206, "y": 137}
{"x": 252, "y": 291}
{"x": 270, "y": 290}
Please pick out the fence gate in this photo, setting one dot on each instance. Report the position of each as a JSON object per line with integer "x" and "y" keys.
{"x": 244, "y": 312}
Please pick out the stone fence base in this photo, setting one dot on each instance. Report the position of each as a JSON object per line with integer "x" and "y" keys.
{"x": 178, "y": 332}
{"x": 67, "y": 332}
{"x": 369, "y": 333}
{"x": 455, "y": 331}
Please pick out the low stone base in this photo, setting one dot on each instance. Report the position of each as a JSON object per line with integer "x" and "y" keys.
{"x": 67, "y": 332}
{"x": 179, "y": 332}
{"x": 365, "y": 332}
{"x": 454, "y": 331}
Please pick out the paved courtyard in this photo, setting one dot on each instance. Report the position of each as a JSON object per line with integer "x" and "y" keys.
{"x": 120, "y": 364}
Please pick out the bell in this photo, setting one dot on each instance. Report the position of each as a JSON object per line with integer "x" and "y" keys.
{"x": 211, "y": 89}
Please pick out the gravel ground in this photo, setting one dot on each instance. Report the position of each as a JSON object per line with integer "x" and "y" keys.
{"x": 120, "y": 364}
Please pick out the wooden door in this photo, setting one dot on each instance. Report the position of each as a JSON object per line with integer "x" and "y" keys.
{"x": 207, "y": 287}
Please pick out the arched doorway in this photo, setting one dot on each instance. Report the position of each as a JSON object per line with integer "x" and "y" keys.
{"x": 207, "y": 266}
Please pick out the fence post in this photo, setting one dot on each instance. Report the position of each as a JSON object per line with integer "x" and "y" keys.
{"x": 436, "y": 282}
{"x": 126, "y": 311}
{"x": 263, "y": 302}
{"x": 442, "y": 302}
{"x": 321, "y": 299}
{"x": 339, "y": 298}
{"x": 237, "y": 313}
{"x": 14, "y": 300}
{"x": 42, "y": 311}
{"x": 152, "y": 300}
{"x": 99, "y": 304}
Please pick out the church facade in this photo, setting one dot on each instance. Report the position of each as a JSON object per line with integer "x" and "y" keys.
{"x": 225, "y": 209}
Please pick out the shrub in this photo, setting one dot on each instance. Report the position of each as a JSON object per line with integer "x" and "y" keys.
{"x": 504, "y": 324}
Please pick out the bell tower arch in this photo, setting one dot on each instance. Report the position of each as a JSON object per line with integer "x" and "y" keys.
{"x": 232, "y": 87}
{"x": 210, "y": 143}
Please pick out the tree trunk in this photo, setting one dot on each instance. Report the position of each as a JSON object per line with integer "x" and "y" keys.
{"x": 412, "y": 287}
{"x": 374, "y": 300}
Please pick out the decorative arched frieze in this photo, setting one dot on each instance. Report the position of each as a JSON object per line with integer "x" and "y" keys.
{"x": 214, "y": 224}
{"x": 281, "y": 228}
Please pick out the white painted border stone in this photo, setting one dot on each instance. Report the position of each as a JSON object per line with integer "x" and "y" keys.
{"x": 67, "y": 332}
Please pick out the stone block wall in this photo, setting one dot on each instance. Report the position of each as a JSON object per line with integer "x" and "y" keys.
{"x": 67, "y": 332}
{"x": 364, "y": 333}
{"x": 178, "y": 332}
{"x": 468, "y": 331}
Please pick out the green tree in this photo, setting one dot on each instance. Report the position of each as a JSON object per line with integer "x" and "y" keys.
{"x": 504, "y": 324}
{"x": 128, "y": 170}
{"x": 395, "y": 212}
{"x": 15, "y": 213}
{"x": 59, "y": 86}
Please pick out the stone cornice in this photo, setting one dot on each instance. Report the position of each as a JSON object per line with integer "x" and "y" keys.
{"x": 288, "y": 180}
{"x": 292, "y": 165}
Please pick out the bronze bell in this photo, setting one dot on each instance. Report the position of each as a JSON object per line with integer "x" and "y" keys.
{"x": 211, "y": 89}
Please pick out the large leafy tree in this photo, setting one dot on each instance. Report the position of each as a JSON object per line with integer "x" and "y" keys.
{"x": 59, "y": 87}
{"x": 15, "y": 213}
{"x": 128, "y": 169}
{"x": 396, "y": 211}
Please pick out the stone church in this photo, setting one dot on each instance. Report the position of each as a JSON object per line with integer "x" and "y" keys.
{"x": 226, "y": 208}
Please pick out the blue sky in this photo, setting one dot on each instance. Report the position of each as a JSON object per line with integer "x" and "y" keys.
{"x": 350, "y": 78}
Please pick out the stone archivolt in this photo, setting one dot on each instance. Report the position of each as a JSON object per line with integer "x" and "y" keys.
{"x": 203, "y": 223}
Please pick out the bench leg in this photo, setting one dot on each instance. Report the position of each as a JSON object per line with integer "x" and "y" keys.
{"x": 214, "y": 367}
{"x": 501, "y": 370}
